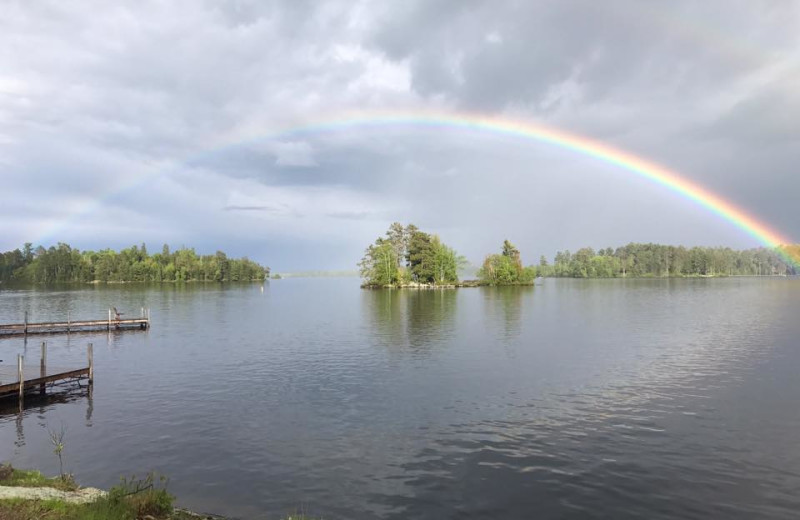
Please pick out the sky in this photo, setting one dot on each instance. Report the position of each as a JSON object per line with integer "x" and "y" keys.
{"x": 200, "y": 123}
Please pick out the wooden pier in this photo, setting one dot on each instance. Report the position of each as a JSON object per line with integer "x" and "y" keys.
{"x": 16, "y": 381}
{"x": 112, "y": 322}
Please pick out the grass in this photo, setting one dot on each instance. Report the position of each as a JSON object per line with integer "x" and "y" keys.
{"x": 32, "y": 478}
{"x": 103, "y": 509}
{"x": 131, "y": 499}
{"x": 106, "y": 508}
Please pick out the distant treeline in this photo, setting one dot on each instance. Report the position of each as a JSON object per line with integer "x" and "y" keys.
{"x": 656, "y": 260}
{"x": 63, "y": 263}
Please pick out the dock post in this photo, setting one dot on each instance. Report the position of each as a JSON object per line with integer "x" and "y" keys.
{"x": 20, "y": 377}
{"x": 109, "y": 319}
{"x": 26, "y": 323}
{"x": 43, "y": 368}
{"x": 69, "y": 321}
{"x": 90, "y": 354}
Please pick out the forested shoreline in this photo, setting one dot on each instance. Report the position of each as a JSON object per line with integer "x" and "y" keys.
{"x": 63, "y": 263}
{"x": 662, "y": 261}
{"x": 406, "y": 256}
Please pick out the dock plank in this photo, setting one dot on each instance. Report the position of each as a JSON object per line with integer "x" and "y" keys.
{"x": 9, "y": 385}
{"x": 55, "y": 327}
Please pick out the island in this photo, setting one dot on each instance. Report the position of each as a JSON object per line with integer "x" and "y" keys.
{"x": 407, "y": 257}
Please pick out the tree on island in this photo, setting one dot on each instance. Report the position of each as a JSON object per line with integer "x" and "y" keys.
{"x": 506, "y": 268}
{"x": 409, "y": 256}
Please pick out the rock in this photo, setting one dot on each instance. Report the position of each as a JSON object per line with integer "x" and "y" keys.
{"x": 5, "y": 472}
{"x": 44, "y": 493}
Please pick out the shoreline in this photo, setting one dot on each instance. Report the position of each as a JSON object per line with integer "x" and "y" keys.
{"x": 456, "y": 285}
{"x": 30, "y": 494}
{"x": 479, "y": 283}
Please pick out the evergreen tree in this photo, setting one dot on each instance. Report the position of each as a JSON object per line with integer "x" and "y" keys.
{"x": 417, "y": 256}
{"x": 506, "y": 268}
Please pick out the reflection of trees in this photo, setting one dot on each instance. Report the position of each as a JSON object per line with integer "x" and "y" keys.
{"x": 430, "y": 315}
{"x": 503, "y": 309}
{"x": 409, "y": 317}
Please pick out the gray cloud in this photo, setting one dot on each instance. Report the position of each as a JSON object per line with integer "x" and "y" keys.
{"x": 169, "y": 122}
{"x": 490, "y": 55}
{"x": 769, "y": 117}
{"x": 357, "y": 215}
{"x": 267, "y": 209}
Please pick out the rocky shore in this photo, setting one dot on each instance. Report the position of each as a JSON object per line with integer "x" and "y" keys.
{"x": 80, "y": 496}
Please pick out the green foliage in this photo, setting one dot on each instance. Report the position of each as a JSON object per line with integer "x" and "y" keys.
{"x": 131, "y": 499}
{"x": 528, "y": 275}
{"x": 445, "y": 262}
{"x": 429, "y": 260}
{"x": 420, "y": 257}
{"x": 146, "y": 496}
{"x": 656, "y": 260}
{"x": 379, "y": 265}
{"x": 409, "y": 255}
{"x": 57, "y": 440}
{"x": 32, "y": 478}
{"x": 506, "y": 268}
{"x": 102, "y": 509}
{"x": 62, "y": 263}
{"x": 510, "y": 251}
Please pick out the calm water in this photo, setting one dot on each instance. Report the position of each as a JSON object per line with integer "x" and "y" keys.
{"x": 575, "y": 399}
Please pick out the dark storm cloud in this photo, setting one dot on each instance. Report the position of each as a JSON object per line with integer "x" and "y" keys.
{"x": 767, "y": 118}
{"x": 167, "y": 120}
{"x": 491, "y": 55}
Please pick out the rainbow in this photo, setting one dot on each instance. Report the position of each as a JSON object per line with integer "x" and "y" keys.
{"x": 513, "y": 128}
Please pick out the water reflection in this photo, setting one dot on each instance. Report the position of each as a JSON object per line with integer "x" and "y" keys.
{"x": 41, "y": 405}
{"x": 411, "y": 318}
{"x": 614, "y": 399}
{"x": 502, "y": 309}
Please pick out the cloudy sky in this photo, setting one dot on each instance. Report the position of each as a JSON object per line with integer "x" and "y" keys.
{"x": 178, "y": 122}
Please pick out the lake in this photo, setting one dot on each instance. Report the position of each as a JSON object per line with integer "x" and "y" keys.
{"x": 573, "y": 399}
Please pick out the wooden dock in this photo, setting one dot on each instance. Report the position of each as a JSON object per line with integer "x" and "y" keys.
{"x": 16, "y": 381}
{"x": 112, "y": 322}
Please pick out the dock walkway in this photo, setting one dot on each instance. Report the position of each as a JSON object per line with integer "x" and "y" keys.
{"x": 16, "y": 381}
{"x": 58, "y": 327}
